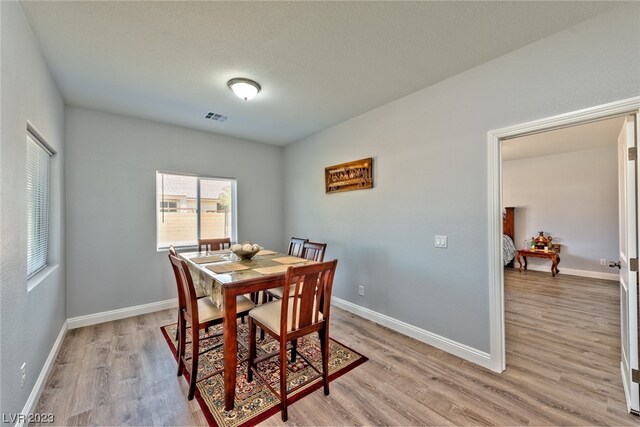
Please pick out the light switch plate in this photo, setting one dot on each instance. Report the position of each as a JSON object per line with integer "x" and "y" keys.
{"x": 441, "y": 241}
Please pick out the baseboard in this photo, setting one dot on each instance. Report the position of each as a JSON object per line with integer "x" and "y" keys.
{"x": 580, "y": 273}
{"x": 461, "y": 350}
{"x": 34, "y": 396}
{"x": 121, "y": 313}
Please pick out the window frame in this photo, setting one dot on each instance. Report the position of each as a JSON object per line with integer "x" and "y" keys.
{"x": 234, "y": 210}
{"x": 33, "y": 137}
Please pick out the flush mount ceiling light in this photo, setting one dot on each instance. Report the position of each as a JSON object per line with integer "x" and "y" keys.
{"x": 244, "y": 88}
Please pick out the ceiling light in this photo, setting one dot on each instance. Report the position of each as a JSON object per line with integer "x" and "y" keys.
{"x": 244, "y": 88}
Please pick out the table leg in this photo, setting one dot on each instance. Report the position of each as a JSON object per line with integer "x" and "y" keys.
{"x": 556, "y": 261}
{"x": 520, "y": 258}
{"x": 230, "y": 334}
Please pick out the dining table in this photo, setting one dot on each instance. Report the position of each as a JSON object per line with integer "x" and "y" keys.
{"x": 223, "y": 276}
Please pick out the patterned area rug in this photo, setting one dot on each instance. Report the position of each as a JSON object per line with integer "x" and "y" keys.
{"x": 254, "y": 401}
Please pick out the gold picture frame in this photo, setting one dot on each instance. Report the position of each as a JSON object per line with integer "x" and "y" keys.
{"x": 356, "y": 175}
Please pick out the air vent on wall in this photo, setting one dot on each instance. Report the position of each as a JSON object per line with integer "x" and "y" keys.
{"x": 215, "y": 116}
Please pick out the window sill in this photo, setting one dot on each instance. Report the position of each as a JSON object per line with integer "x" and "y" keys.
{"x": 188, "y": 248}
{"x": 40, "y": 277}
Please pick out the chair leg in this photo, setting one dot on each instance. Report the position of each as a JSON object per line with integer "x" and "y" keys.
{"x": 294, "y": 350}
{"x": 324, "y": 348}
{"x": 195, "y": 346}
{"x": 252, "y": 349}
{"x": 283, "y": 379}
{"x": 254, "y": 297}
{"x": 182, "y": 332}
{"x": 264, "y": 301}
{"x": 178, "y": 328}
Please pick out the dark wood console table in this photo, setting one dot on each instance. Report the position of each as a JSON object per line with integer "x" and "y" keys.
{"x": 551, "y": 254}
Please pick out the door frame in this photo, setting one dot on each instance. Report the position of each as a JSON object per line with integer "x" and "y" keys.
{"x": 498, "y": 361}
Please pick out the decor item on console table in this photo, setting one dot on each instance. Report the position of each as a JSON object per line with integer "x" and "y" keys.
{"x": 542, "y": 242}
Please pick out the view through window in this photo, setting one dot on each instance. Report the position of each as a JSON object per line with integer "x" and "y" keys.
{"x": 190, "y": 207}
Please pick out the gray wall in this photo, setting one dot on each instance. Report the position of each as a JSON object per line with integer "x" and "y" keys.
{"x": 31, "y": 320}
{"x": 576, "y": 202}
{"x": 430, "y": 154}
{"x": 111, "y": 217}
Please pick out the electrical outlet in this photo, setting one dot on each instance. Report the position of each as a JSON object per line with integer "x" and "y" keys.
{"x": 23, "y": 372}
{"x": 361, "y": 290}
{"x": 440, "y": 241}
{"x": 603, "y": 261}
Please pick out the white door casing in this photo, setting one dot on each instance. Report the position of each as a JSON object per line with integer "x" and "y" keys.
{"x": 497, "y": 360}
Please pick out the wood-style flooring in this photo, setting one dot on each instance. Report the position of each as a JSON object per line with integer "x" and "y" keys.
{"x": 563, "y": 368}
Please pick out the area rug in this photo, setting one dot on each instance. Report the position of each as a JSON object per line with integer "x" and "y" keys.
{"x": 254, "y": 401}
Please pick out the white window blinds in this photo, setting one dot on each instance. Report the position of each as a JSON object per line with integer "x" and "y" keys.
{"x": 38, "y": 171}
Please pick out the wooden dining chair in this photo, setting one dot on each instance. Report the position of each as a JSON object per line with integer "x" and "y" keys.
{"x": 296, "y": 246}
{"x": 314, "y": 251}
{"x": 199, "y": 292}
{"x": 214, "y": 244}
{"x": 288, "y": 319}
{"x": 200, "y": 314}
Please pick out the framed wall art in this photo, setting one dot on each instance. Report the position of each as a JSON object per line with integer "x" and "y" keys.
{"x": 356, "y": 175}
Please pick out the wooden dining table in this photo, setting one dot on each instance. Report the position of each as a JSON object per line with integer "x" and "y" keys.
{"x": 224, "y": 276}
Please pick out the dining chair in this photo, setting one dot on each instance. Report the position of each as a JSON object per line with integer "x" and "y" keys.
{"x": 199, "y": 292}
{"x": 214, "y": 244}
{"x": 312, "y": 251}
{"x": 288, "y": 319}
{"x": 296, "y": 246}
{"x": 200, "y": 314}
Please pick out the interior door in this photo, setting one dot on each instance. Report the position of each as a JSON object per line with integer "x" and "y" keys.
{"x": 628, "y": 238}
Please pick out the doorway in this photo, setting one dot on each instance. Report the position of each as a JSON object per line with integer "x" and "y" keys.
{"x": 495, "y": 138}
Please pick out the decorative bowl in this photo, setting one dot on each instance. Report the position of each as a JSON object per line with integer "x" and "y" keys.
{"x": 246, "y": 250}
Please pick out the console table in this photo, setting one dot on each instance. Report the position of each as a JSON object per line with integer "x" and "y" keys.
{"x": 551, "y": 254}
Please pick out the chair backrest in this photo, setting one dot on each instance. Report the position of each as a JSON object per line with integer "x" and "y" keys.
{"x": 313, "y": 284}
{"x": 214, "y": 244}
{"x": 296, "y": 246}
{"x": 186, "y": 290}
{"x": 314, "y": 251}
{"x": 172, "y": 250}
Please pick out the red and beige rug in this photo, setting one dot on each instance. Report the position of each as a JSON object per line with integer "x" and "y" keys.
{"x": 254, "y": 401}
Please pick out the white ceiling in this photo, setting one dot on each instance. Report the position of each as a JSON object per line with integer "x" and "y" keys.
{"x": 575, "y": 138}
{"x": 319, "y": 63}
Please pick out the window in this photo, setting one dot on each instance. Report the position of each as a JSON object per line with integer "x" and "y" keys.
{"x": 190, "y": 207}
{"x": 38, "y": 201}
{"x": 168, "y": 206}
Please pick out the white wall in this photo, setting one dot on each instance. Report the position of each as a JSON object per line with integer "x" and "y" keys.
{"x": 575, "y": 200}
{"x": 430, "y": 154}
{"x": 31, "y": 320}
{"x": 111, "y": 222}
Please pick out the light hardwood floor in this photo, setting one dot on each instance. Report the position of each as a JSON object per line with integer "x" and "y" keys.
{"x": 562, "y": 369}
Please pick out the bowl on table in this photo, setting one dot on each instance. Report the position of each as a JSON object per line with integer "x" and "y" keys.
{"x": 245, "y": 250}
